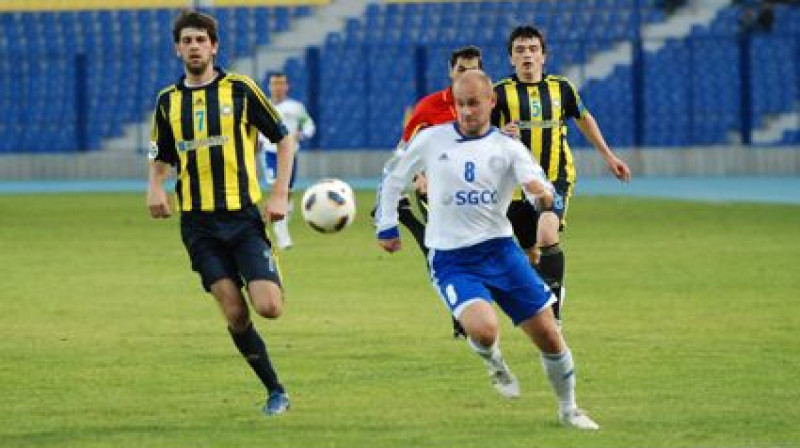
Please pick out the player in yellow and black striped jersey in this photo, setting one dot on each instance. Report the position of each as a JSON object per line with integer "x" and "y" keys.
{"x": 535, "y": 107}
{"x": 206, "y": 127}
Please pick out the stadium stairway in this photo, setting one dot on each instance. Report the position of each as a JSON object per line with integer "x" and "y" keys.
{"x": 776, "y": 126}
{"x": 303, "y": 33}
{"x": 309, "y": 31}
{"x": 678, "y": 25}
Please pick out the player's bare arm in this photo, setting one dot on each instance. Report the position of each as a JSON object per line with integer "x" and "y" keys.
{"x": 421, "y": 183}
{"x": 157, "y": 200}
{"x": 540, "y": 193}
{"x": 277, "y": 205}
{"x": 588, "y": 126}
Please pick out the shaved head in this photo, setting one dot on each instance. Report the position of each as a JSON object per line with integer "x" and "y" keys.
{"x": 474, "y": 78}
{"x": 475, "y": 100}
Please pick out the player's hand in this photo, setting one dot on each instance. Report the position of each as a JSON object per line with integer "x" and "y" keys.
{"x": 421, "y": 183}
{"x": 619, "y": 168}
{"x": 158, "y": 204}
{"x": 511, "y": 129}
{"x": 545, "y": 201}
{"x": 542, "y": 197}
{"x": 534, "y": 255}
{"x": 390, "y": 245}
{"x": 276, "y": 208}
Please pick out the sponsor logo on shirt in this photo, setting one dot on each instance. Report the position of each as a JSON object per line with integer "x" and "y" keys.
{"x": 476, "y": 197}
{"x": 537, "y": 124}
{"x": 191, "y": 145}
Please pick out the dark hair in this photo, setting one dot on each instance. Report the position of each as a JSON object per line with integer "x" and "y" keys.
{"x": 276, "y": 74}
{"x": 189, "y": 18}
{"x": 526, "y": 31}
{"x": 468, "y": 52}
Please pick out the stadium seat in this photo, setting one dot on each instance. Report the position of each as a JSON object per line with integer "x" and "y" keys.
{"x": 683, "y": 76}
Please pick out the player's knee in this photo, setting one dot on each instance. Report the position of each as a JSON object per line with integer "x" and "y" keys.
{"x": 547, "y": 232}
{"x": 480, "y": 322}
{"x": 484, "y": 333}
{"x": 552, "y": 341}
{"x": 267, "y": 298}
{"x": 546, "y": 238}
{"x": 231, "y": 304}
{"x": 269, "y": 309}
{"x": 268, "y": 305}
{"x": 548, "y": 336}
{"x": 238, "y": 319}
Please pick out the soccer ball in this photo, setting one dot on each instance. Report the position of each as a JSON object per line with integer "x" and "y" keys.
{"x": 329, "y": 205}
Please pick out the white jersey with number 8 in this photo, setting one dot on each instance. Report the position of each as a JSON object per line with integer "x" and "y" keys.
{"x": 470, "y": 184}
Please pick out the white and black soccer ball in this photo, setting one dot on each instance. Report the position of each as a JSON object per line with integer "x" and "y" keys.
{"x": 329, "y": 205}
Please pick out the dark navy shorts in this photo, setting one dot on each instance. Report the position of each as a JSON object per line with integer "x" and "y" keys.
{"x": 229, "y": 244}
{"x": 524, "y": 218}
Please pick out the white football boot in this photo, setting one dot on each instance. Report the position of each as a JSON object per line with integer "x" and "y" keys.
{"x": 504, "y": 382}
{"x": 577, "y": 418}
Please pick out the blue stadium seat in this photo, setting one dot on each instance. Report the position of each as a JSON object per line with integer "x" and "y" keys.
{"x": 683, "y": 76}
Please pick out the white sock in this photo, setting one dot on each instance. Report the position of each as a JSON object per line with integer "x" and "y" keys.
{"x": 560, "y": 370}
{"x": 491, "y": 356}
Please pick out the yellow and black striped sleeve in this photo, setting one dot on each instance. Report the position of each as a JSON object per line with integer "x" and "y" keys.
{"x": 571, "y": 100}
{"x": 501, "y": 114}
{"x": 162, "y": 140}
{"x": 261, "y": 113}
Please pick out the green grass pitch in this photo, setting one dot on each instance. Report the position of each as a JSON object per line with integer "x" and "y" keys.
{"x": 683, "y": 318}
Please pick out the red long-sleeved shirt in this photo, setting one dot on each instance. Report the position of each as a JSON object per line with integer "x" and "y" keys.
{"x": 436, "y": 108}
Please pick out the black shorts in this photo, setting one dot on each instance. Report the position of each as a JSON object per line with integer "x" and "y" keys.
{"x": 229, "y": 244}
{"x": 524, "y": 218}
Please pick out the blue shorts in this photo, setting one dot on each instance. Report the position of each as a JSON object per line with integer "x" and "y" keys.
{"x": 271, "y": 168}
{"x": 494, "y": 270}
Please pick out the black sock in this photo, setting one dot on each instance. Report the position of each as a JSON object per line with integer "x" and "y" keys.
{"x": 458, "y": 330}
{"x": 414, "y": 225}
{"x": 252, "y": 347}
{"x": 551, "y": 268}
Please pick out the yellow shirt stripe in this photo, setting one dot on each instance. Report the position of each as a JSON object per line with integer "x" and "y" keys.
{"x": 204, "y": 169}
{"x": 177, "y": 130}
{"x": 232, "y": 197}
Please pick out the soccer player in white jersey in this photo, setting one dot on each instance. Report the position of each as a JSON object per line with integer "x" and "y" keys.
{"x": 301, "y": 127}
{"x": 472, "y": 172}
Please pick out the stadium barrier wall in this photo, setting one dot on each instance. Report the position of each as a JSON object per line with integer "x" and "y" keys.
{"x": 367, "y": 164}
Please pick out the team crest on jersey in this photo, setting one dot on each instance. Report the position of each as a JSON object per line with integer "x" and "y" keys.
{"x": 497, "y": 163}
{"x": 444, "y": 157}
